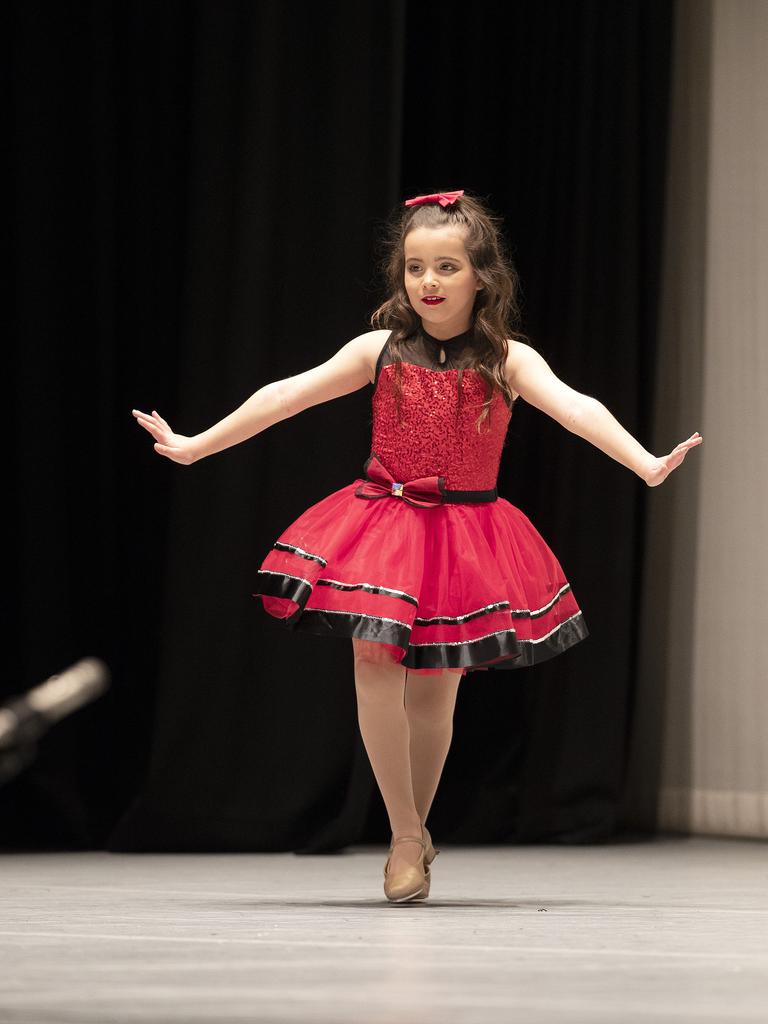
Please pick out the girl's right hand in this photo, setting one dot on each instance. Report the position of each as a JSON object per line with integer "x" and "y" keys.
{"x": 175, "y": 447}
{"x": 659, "y": 469}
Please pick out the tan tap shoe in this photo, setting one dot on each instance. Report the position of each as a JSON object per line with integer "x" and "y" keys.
{"x": 430, "y": 852}
{"x": 429, "y": 855}
{"x": 411, "y": 882}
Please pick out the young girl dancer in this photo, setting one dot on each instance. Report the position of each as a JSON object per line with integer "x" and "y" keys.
{"x": 419, "y": 561}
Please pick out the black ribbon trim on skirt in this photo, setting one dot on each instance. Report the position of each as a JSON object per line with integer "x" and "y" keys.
{"x": 299, "y": 552}
{"x": 370, "y": 588}
{"x": 534, "y": 652}
{"x": 516, "y": 613}
{"x": 536, "y": 613}
{"x": 352, "y": 624}
{"x": 295, "y": 588}
{"x": 452, "y": 620}
{"x": 502, "y": 650}
{"x": 277, "y": 584}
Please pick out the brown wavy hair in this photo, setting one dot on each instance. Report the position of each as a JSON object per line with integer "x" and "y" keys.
{"x": 495, "y": 314}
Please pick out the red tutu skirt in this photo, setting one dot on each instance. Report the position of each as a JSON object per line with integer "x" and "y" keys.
{"x": 457, "y": 586}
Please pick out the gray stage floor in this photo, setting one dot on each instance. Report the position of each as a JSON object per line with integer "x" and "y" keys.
{"x": 674, "y": 929}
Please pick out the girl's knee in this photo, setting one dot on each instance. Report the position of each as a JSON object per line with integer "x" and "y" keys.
{"x": 432, "y": 699}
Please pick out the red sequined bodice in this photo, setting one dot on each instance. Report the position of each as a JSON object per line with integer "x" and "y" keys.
{"x": 437, "y": 433}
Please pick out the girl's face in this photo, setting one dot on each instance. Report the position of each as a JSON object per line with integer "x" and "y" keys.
{"x": 437, "y": 267}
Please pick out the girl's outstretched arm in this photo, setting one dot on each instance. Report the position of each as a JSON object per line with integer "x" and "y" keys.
{"x": 530, "y": 375}
{"x": 348, "y": 370}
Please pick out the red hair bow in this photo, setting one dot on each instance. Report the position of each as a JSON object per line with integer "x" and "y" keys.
{"x": 444, "y": 198}
{"x": 425, "y": 491}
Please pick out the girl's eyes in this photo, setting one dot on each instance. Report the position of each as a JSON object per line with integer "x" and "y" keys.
{"x": 413, "y": 268}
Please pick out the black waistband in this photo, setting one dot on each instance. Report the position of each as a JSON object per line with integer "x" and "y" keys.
{"x": 469, "y": 497}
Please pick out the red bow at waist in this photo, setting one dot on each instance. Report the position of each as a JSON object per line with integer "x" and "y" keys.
{"x": 425, "y": 491}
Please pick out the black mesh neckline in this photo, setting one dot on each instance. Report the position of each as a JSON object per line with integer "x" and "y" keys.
{"x": 460, "y": 350}
{"x": 458, "y": 341}
{"x": 421, "y": 349}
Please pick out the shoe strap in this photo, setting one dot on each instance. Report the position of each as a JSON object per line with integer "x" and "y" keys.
{"x": 409, "y": 839}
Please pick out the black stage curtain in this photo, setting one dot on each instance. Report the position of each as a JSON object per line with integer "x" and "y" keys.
{"x": 198, "y": 188}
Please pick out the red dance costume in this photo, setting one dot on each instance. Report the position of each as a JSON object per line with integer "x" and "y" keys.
{"x": 420, "y": 557}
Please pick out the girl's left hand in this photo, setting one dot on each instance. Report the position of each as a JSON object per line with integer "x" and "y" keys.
{"x": 659, "y": 469}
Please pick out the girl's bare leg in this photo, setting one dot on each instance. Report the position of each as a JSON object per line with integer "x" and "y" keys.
{"x": 380, "y": 689}
{"x": 429, "y": 704}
